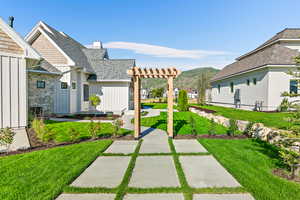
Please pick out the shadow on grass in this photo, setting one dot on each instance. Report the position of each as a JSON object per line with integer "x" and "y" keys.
{"x": 269, "y": 150}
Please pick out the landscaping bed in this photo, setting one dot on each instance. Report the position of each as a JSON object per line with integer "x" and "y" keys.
{"x": 270, "y": 119}
{"x": 90, "y": 116}
{"x": 221, "y": 136}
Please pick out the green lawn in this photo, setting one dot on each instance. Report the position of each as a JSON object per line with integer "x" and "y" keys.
{"x": 43, "y": 174}
{"x": 156, "y": 105}
{"x": 182, "y": 123}
{"x": 61, "y": 130}
{"x": 251, "y": 163}
{"x": 275, "y": 119}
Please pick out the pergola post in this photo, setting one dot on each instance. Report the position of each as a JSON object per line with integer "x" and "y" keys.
{"x": 137, "y": 106}
{"x": 170, "y": 106}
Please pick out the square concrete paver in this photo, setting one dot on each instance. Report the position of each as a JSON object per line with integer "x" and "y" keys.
{"x": 104, "y": 172}
{"x": 86, "y": 197}
{"x": 154, "y": 197}
{"x": 223, "y": 197}
{"x": 205, "y": 171}
{"x": 124, "y": 147}
{"x": 188, "y": 146}
{"x": 152, "y": 147}
{"x": 154, "y": 171}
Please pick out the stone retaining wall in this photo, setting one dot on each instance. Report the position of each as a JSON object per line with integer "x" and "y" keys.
{"x": 258, "y": 130}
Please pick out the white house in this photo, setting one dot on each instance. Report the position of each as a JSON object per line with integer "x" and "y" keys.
{"x": 258, "y": 78}
{"x": 84, "y": 71}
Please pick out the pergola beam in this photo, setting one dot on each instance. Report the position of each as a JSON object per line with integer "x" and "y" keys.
{"x": 137, "y": 74}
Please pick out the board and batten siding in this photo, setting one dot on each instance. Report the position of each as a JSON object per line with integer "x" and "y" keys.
{"x": 114, "y": 96}
{"x": 13, "y": 92}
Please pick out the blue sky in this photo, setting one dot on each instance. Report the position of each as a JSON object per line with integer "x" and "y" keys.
{"x": 162, "y": 33}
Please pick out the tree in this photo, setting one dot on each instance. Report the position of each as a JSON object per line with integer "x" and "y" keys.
{"x": 183, "y": 101}
{"x": 94, "y": 100}
{"x": 203, "y": 85}
{"x": 157, "y": 92}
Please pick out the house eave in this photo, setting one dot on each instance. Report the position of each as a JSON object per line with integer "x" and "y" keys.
{"x": 44, "y": 72}
{"x": 253, "y": 69}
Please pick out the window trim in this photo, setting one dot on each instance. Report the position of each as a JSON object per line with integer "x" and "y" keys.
{"x": 73, "y": 85}
{"x": 86, "y": 98}
{"x": 61, "y": 85}
{"x": 37, "y": 84}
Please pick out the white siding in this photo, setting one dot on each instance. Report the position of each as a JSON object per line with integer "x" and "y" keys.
{"x": 13, "y": 89}
{"x": 114, "y": 95}
{"x": 62, "y": 104}
{"x": 249, "y": 94}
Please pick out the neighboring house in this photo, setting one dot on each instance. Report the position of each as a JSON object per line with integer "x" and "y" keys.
{"x": 257, "y": 79}
{"x": 16, "y": 56}
{"x": 145, "y": 93}
{"x": 192, "y": 93}
{"x": 76, "y": 73}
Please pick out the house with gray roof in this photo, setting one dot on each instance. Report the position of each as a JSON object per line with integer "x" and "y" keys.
{"x": 257, "y": 79}
{"x": 83, "y": 70}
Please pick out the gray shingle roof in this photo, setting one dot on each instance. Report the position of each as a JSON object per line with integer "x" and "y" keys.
{"x": 112, "y": 69}
{"x": 46, "y": 66}
{"x": 94, "y": 61}
{"x": 273, "y": 54}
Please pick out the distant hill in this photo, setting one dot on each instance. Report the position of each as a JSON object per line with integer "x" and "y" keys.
{"x": 187, "y": 79}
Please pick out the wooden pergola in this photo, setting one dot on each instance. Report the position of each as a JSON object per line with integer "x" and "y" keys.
{"x": 138, "y": 73}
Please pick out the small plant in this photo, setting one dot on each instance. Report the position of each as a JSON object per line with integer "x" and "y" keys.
{"x": 284, "y": 105}
{"x": 94, "y": 129}
{"x": 74, "y": 135}
{"x": 6, "y": 137}
{"x": 291, "y": 159}
{"x": 248, "y": 129}
{"x": 212, "y": 128}
{"x": 193, "y": 126}
{"x": 118, "y": 123}
{"x": 233, "y": 128}
{"x": 183, "y": 101}
{"x": 42, "y": 132}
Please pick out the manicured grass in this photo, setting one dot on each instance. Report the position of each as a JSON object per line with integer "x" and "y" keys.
{"x": 155, "y": 105}
{"x": 182, "y": 124}
{"x": 61, "y": 130}
{"x": 251, "y": 162}
{"x": 43, "y": 174}
{"x": 274, "y": 119}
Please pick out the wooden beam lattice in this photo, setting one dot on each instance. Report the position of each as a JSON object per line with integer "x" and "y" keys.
{"x": 153, "y": 73}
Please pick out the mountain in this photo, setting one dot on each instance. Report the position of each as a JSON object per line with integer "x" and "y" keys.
{"x": 187, "y": 79}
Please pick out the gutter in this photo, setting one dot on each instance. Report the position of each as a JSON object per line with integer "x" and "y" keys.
{"x": 44, "y": 72}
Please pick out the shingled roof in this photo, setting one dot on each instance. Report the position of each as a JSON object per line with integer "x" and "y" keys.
{"x": 94, "y": 61}
{"x": 268, "y": 54}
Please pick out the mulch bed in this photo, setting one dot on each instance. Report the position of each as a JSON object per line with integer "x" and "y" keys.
{"x": 284, "y": 174}
{"x": 37, "y": 145}
{"x": 225, "y": 137}
{"x": 203, "y": 109}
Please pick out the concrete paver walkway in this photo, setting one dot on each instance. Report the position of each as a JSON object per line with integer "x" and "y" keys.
{"x": 205, "y": 171}
{"x": 188, "y": 146}
{"x": 155, "y": 171}
{"x": 154, "y": 197}
{"x": 104, "y": 172}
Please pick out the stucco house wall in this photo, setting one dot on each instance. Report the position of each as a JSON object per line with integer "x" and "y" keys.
{"x": 249, "y": 94}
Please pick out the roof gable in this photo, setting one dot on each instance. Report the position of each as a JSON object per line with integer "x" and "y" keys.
{"x": 28, "y": 51}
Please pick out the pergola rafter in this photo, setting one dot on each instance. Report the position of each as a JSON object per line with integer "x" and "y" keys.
{"x": 138, "y": 73}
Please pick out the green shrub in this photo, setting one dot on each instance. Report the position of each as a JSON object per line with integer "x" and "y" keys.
{"x": 74, "y": 134}
{"x": 212, "y": 128}
{"x": 183, "y": 101}
{"x": 233, "y": 128}
{"x": 118, "y": 123}
{"x": 193, "y": 125}
{"x": 94, "y": 128}
{"x": 284, "y": 105}
{"x": 248, "y": 128}
{"x": 42, "y": 132}
{"x": 291, "y": 159}
{"x": 94, "y": 100}
{"x": 6, "y": 137}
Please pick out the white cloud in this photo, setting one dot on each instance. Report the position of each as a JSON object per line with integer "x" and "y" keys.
{"x": 163, "y": 52}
